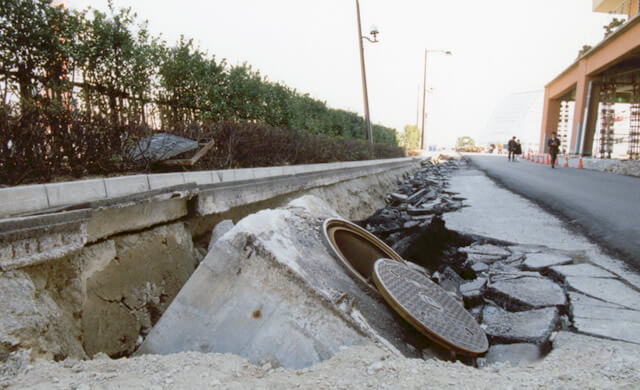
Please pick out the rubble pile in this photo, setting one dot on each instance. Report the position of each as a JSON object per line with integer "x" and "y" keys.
{"x": 522, "y": 295}
{"x": 411, "y": 223}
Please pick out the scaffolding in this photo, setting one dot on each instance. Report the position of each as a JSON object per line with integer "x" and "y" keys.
{"x": 634, "y": 125}
{"x": 564, "y": 124}
{"x": 607, "y": 117}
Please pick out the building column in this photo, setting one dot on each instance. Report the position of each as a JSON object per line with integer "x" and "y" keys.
{"x": 589, "y": 130}
{"x": 550, "y": 116}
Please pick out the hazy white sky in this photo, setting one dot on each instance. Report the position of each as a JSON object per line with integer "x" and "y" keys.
{"x": 499, "y": 46}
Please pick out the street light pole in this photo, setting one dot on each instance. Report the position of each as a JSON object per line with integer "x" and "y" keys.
{"x": 424, "y": 92}
{"x": 365, "y": 95}
{"x": 424, "y": 100}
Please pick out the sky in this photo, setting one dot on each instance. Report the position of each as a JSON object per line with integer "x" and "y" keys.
{"x": 500, "y": 47}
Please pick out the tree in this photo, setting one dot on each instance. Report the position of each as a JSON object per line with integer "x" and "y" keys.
{"x": 465, "y": 143}
{"x": 410, "y": 137}
{"x": 613, "y": 26}
{"x": 585, "y": 48}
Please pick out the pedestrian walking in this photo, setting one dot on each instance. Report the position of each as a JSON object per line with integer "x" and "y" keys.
{"x": 517, "y": 150}
{"x": 511, "y": 147}
{"x": 554, "y": 148}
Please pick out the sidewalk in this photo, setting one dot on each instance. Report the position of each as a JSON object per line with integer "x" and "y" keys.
{"x": 498, "y": 213}
{"x": 600, "y": 288}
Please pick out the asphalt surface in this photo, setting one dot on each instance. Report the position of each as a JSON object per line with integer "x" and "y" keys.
{"x": 605, "y": 206}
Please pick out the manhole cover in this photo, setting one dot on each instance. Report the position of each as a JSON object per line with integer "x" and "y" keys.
{"x": 357, "y": 248}
{"x": 429, "y": 308}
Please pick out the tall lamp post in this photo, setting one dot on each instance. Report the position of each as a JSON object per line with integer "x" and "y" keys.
{"x": 424, "y": 91}
{"x": 374, "y": 32}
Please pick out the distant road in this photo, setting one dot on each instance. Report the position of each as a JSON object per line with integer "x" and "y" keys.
{"x": 606, "y": 206}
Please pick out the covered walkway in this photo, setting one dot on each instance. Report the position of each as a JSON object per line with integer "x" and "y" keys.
{"x": 607, "y": 74}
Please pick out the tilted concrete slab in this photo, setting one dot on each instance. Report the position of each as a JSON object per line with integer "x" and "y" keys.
{"x": 270, "y": 287}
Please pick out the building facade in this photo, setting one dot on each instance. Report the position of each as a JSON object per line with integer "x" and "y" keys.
{"x": 593, "y": 86}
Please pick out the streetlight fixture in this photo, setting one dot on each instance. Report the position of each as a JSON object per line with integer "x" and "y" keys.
{"x": 374, "y": 33}
{"x": 424, "y": 91}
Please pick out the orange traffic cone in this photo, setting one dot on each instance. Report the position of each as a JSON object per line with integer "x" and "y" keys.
{"x": 548, "y": 160}
{"x": 580, "y": 163}
{"x": 566, "y": 161}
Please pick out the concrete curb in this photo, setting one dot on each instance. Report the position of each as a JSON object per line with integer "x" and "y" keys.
{"x": 32, "y": 198}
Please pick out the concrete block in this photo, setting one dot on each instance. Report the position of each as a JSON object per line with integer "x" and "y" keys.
{"x": 107, "y": 221}
{"x": 262, "y": 172}
{"x": 271, "y": 288}
{"x": 162, "y": 180}
{"x": 126, "y": 185}
{"x": 288, "y": 170}
{"x": 225, "y": 196}
{"x": 129, "y": 282}
{"x": 230, "y": 175}
{"x": 277, "y": 171}
{"x": 22, "y": 199}
{"x": 27, "y": 241}
{"x": 72, "y": 192}
{"x": 200, "y": 177}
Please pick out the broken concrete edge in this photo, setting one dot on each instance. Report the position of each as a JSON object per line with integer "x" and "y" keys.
{"x": 222, "y": 197}
{"x": 32, "y": 198}
{"x": 30, "y": 240}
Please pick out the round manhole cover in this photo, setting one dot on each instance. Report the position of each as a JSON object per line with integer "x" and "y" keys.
{"x": 429, "y": 308}
{"x": 356, "y": 248}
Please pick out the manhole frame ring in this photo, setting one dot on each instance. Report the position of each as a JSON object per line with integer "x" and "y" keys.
{"x": 342, "y": 224}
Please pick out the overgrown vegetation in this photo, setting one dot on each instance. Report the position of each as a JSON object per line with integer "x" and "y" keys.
{"x": 78, "y": 88}
{"x": 609, "y": 29}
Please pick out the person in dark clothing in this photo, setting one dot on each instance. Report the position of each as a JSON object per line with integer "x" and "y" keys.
{"x": 554, "y": 147}
{"x": 511, "y": 147}
{"x": 517, "y": 150}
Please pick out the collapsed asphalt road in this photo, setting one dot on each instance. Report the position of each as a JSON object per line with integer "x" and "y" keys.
{"x": 602, "y": 205}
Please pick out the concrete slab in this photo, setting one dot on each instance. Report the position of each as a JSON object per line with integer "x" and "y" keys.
{"x": 539, "y": 261}
{"x": 515, "y": 354}
{"x": 472, "y": 291}
{"x": 61, "y": 194}
{"x": 162, "y": 180}
{"x": 595, "y": 317}
{"x": 271, "y": 287}
{"x": 27, "y": 241}
{"x": 486, "y": 249}
{"x": 584, "y": 269}
{"x": 230, "y": 175}
{"x": 22, "y": 199}
{"x": 526, "y": 292}
{"x": 533, "y": 326}
{"x": 200, "y": 177}
{"x": 606, "y": 289}
{"x": 126, "y": 185}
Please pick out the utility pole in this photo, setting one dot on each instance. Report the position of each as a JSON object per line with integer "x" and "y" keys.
{"x": 424, "y": 100}
{"x": 424, "y": 92}
{"x": 365, "y": 95}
